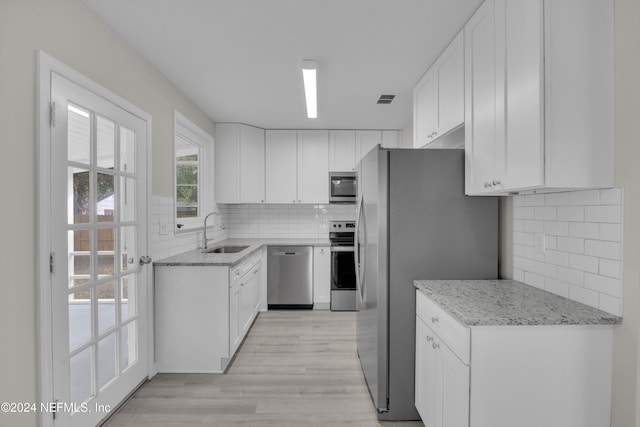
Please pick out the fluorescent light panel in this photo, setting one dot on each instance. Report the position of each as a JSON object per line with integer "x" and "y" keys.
{"x": 309, "y": 69}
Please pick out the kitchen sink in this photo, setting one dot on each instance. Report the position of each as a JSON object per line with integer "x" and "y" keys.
{"x": 225, "y": 250}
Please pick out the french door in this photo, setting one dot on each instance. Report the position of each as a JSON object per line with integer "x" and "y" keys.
{"x": 99, "y": 324}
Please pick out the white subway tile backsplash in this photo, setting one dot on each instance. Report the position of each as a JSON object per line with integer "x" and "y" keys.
{"x": 571, "y": 213}
{"x": 556, "y": 228}
{"x": 545, "y": 213}
{"x": 610, "y": 214}
{"x": 584, "y": 263}
{"x": 611, "y": 232}
{"x": 611, "y": 196}
{"x": 587, "y": 230}
{"x": 585, "y": 296}
{"x": 608, "y": 250}
{"x": 585, "y": 197}
{"x": 571, "y": 245}
{"x": 582, "y": 253}
{"x": 601, "y": 284}
{"x": 610, "y": 268}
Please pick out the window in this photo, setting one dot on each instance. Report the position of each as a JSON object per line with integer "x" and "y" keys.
{"x": 193, "y": 151}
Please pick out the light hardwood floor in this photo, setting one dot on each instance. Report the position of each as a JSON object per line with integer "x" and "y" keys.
{"x": 295, "y": 368}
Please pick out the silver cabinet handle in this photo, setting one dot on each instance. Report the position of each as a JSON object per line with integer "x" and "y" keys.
{"x": 429, "y": 338}
{"x": 487, "y": 185}
{"x": 496, "y": 182}
{"x": 434, "y": 319}
{"x": 435, "y": 346}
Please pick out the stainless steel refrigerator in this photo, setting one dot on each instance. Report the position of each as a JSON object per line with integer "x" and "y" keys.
{"x": 413, "y": 222}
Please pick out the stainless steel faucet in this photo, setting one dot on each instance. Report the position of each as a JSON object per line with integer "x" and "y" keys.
{"x": 222, "y": 227}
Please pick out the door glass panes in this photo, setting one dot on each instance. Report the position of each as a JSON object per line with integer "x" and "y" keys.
{"x": 106, "y": 255}
{"x": 80, "y": 375}
{"x": 79, "y": 318}
{"x": 79, "y": 257}
{"x": 128, "y": 348}
{"x": 105, "y": 206}
{"x": 79, "y": 135}
{"x": 187, "y": 178}
{"x": 106, "y": 306}
{"x": 127, "y": 150}
{"x": 79, "y": 195}
{"x": 106, "y": 360}
{"x": 128, "y": 297}
{"x": 106, "y": 143}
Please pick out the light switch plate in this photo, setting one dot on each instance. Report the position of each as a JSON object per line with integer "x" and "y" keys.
{"x": 540, "y": 241}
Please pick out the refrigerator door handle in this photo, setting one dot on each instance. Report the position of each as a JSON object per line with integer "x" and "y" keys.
{"x": 356, "y": 240}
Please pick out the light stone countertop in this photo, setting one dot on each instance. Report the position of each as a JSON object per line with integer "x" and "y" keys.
{"x": 508, "y": 302}
{"x": 197, "y": 258}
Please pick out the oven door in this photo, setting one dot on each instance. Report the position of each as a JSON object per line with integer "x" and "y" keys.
{"x": 342, "y": 187}
{"x": 343, "y": 271}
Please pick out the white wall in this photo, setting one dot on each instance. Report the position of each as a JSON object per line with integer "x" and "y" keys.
{"x": 69, "y": 31}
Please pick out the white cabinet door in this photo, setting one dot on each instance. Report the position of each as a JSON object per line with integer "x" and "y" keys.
{"x": 313, "y": 166}
{"x": 453, "y": 397}
{"x": 425, "y": 383}
{"x": 227, "y": 163}
{"x": 257, "y": 283}
{"x": 524, "y": 58}
{"x": 342, "y": 150}
{"x": 449, "y": 93}
{"x": 484, "y": 98}
{"x": 252, "y": 163}
{"x": 365, "y": 141}
{"x": 247, "y": 301}
{"x": 235, "y": 327}
{"x": 321, "y": 277}
{"x": 281, "y": 166}
{"x": 391, "y": 138}
{"x": 424, "y": 95}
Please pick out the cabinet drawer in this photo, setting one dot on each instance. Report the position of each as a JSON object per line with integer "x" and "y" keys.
{"x": 455, "y": 335}
{"x": 239, "y": 270}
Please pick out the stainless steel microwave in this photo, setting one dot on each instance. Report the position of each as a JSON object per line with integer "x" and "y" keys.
{"x": 343, "y": 187}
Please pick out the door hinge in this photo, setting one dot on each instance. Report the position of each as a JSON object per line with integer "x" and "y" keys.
{"x": 52, "y": 263}
{"x": 52, "y": 114}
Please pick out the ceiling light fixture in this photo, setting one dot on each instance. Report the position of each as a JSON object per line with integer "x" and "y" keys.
{"x": 309, "y": 69}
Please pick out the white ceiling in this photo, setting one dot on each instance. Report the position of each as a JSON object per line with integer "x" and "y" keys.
{"x": 239, "y": 60}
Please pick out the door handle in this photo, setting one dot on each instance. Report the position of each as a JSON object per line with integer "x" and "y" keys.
{"x": 144, "y": 259}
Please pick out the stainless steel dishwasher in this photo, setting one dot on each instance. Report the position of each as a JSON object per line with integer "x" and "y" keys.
{"x": 290, "y": 277}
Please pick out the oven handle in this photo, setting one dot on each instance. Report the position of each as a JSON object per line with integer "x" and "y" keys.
{"x": 343, "y": 249}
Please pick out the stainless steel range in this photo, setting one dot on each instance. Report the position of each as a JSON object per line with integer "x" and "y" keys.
{"x": 343, "y": 272}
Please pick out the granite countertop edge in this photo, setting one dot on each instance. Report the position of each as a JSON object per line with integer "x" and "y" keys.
{"x": 509, "y": 303}
{"x": 195, "y": 257}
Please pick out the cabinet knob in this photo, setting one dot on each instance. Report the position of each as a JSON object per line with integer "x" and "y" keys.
{"x": 261, "y": 201}
{"x": 294, "y": 201}
{"x": 434, "y": 319}
{"x": 435, "y": 134}
{"x": 487, "y": 185}
{"x": 435, "y": 346}
{"x": 429, "y": 338}
{"x": 496, "y": 182}
{"x": 299, "y": 201}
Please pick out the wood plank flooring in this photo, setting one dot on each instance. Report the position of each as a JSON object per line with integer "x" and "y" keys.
{"x": 295, "y": 368}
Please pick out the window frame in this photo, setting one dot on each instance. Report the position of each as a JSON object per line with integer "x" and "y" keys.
{"x": 185, "y": 129}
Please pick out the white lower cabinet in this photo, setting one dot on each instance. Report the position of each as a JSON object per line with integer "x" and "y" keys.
{"x": 321, "y": 277}
{"x": 505, "y": 376}
{"x": 202, "y": 313}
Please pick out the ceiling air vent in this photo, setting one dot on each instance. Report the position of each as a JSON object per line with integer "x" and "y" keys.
{"x": 385, "y": 99}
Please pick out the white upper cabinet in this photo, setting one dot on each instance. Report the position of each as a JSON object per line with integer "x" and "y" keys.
{"x": 313, "y": 166}
{"x": 438, "y": 98}
{"x": 252, "y": 158}
{"x": 281, "y": 166}
{"x": 342, "y": 150}
{"x": 297, "y": 166}
{"x": 539, "y": 96}
{"x": 365, "y": 141}
{"x": 391, "y": 139}
{"x": 239, "y": 163}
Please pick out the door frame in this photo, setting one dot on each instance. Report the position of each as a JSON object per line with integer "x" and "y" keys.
{"x": 47, "y": 64}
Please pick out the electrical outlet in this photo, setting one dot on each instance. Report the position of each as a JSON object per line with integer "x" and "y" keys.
{"x": 164, "y": 229}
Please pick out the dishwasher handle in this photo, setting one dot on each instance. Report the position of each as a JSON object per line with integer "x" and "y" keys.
{"x": 283, "y": 253}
